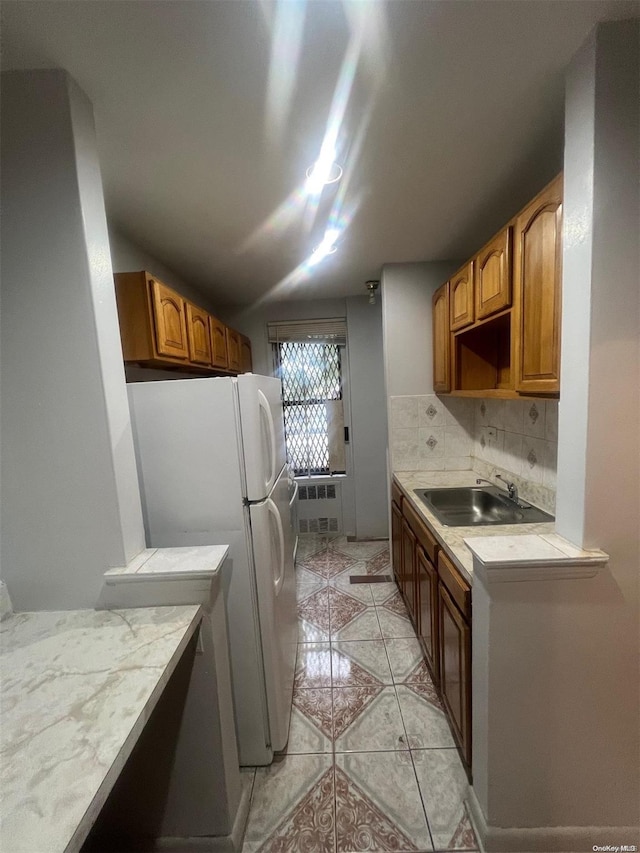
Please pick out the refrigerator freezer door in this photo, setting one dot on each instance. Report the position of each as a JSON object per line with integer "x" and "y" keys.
{"x": 262, "y": 423}
{"x": 275, "y": 580}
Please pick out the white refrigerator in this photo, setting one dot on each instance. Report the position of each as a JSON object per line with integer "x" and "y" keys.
{"x": 211, "y": 465}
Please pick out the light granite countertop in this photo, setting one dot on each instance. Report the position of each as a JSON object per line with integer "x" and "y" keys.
{"x": 194, "y": 561}
{"x": 77, "y": 689}
{"x": 452, "y": 538}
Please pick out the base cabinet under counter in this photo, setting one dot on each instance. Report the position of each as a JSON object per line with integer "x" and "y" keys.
{"x": 438, "y": 600}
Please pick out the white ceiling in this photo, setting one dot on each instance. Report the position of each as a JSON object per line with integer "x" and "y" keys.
{"x": 448, "y": 118}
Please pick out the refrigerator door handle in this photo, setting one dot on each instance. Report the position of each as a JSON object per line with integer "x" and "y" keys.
{"x": 266, "y": 408}
{"x": 273, "y": 509}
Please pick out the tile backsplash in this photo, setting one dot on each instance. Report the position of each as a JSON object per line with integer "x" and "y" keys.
{"x": 429, "y": 434}
{"x": 517, "y": 438}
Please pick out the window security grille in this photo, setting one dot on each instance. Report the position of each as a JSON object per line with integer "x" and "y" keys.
{"x": 311, "y": 376}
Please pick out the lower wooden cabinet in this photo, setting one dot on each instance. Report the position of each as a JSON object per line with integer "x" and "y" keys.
{"x": 396, "y": 541}
{"x": 455, "y": 669}
{"x": 428, "y": 627}
{"x": 408, "y": 576}
{"x": 438, "y": 600}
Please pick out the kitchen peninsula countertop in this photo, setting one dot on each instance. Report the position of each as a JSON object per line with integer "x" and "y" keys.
{"x": 77, "y": 689}
{"x": 452, "y": 538}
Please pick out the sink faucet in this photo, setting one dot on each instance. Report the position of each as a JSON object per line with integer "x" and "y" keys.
{"x": 512, "y": 489}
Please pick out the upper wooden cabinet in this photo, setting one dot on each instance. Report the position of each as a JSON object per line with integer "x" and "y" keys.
{"x": 499, "y": 335}
{"x": 538, "y": 282}
{"x": 218, "y": 333}
{"x": 246, "y": 362}
{"x": 441, "y": 340}
{"x": 170, "y": 324}
{"x": 461, "y": 297}
{"x": 160, "y": 329}
{"x": 198, "y": 335}
{"x": 493, "y": 276}
{"x": 233, "y": 349}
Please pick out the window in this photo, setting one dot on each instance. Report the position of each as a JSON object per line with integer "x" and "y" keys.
{"x": 311, "y": 376}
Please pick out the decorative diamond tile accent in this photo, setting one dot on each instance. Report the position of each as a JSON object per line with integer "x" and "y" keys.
{"x": 315, "y": 609}
{"x": 395, "y": 604}
{"x": 378, "y": 563}
{"x": 349, "y": 703}
{"x": 343, "y": 609}
{"x": 431, "y": 441}
{"x": 316, "y": 705}
{"x": 425, "y": 690}
{"x": 361, "y": 824}
{"x": 431, "y": 411}
{"x": 533, "y": 413}
{"x": 310, "y": 825}
{"x": 532, "y": 459}
{"x": 328, "y": 563}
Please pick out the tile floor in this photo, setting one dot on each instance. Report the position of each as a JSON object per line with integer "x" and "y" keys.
{"x": 370, "y": 763}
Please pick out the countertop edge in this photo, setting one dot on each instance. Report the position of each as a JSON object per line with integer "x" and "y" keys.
{"x": 105, "y": 788}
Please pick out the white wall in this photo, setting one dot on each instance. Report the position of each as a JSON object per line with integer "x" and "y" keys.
{"x": 558, "y": 707}
{"x": 127, "y": 256}
{"x": 406, "y": 324}
{"x": 601, "y": 413}
{"x": 70, "y": 498}
{"x": 368, "y": 417}
{"x": 364, "y": 493}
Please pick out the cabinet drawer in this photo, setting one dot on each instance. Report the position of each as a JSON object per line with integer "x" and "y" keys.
{"x": 423, "y": 535}
{"x": 396, "y": 495}
{"x": 455, "y": 584}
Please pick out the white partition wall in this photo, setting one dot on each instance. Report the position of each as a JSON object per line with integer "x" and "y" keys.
{"x": 70, "y": 498}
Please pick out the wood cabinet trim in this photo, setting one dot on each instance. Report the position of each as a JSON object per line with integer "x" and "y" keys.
{"x": 458, "y": 588}
{"x": 441, "y": 339}
{"x": 424, "y": 536}
{"x": 461, "y": 726}
{"x": 549, "y": 200}
{"x": 428, "y": 632}
{"x": 396, "y": 494}
{"x": 461, "y": 310}
{"x": 408, "y": 575}
{"x": 500, "y": 247}
{"x": 163, "y": 298}
{"x": 199, "y": 350}
{"x": 218, "y": 333}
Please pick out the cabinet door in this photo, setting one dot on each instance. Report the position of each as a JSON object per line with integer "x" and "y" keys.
{"x": 218, "y": 334}
{"x": 198, "y": 335}
{"x": 461, "y": 297}
{"x": 245, "y": 354}
{"x": 455, "y": 669}
{"x": 441, "y": 340}
{"x": 170, "y": 325}
{"x": 396, "y": 542}
{"x": 233, "y": 349}
{"x": 428, "y": 611}
{"x": 408, "y": 578}
{"x": 493, "y": 276}
{"x": 538, "y": 281}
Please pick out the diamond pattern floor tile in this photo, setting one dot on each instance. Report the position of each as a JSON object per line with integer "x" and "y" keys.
{"x": 370, "y": 764}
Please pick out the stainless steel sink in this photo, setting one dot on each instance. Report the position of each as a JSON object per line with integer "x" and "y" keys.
{"x": 470, "y": 505}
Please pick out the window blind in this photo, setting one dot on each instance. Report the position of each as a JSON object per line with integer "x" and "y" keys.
{"x": 331, "y": 331}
